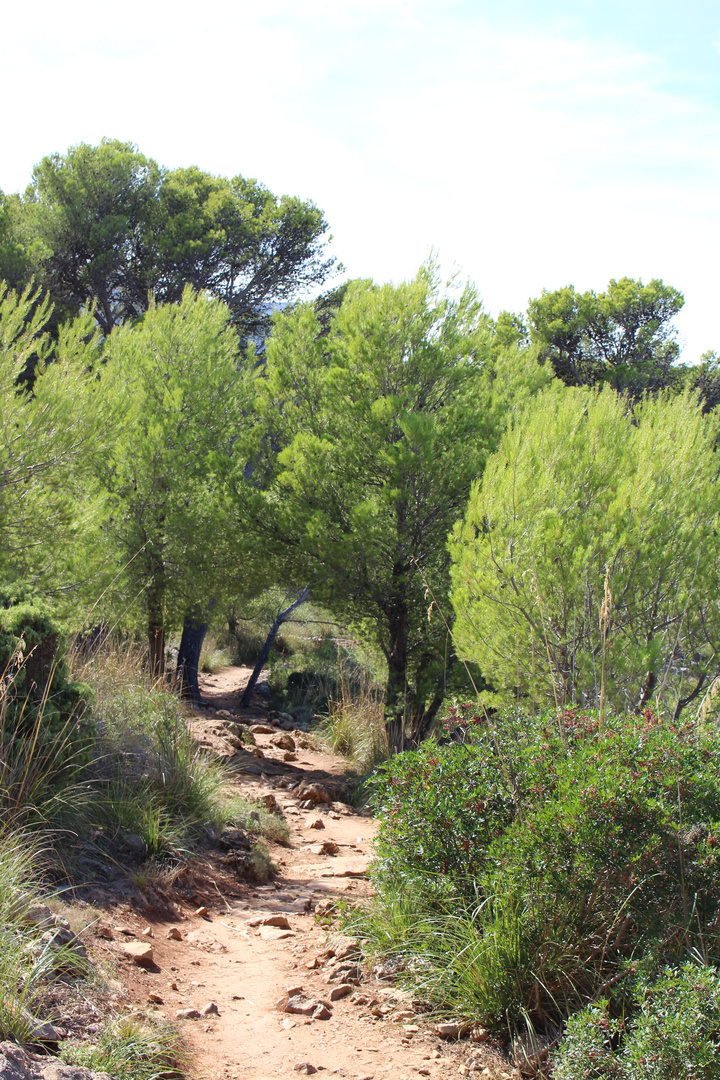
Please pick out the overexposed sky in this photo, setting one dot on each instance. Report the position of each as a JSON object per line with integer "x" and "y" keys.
{"x": 531, "y": 143}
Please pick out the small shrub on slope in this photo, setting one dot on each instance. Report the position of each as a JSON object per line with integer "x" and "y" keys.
{"x": 549, "y": 857}
{"x": 673, "y": 1035}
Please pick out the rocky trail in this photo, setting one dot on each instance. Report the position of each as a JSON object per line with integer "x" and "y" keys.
{"x": 260, "y": 978}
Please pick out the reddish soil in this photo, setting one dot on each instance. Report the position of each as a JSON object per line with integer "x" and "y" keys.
{"x": 246, "y": 970}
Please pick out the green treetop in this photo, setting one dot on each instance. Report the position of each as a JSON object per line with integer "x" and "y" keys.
{"x": 107, "y": 224}
{"x": 587, "y": 564}
{"x": 623, "y": 337}
{"x": 174, "y": 379}
{"x": 379, "y": 416}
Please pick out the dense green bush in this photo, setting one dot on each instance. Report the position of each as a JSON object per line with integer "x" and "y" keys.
{"x": 33, "y": 668}
{"x": 673, "y": 1035}
{"x": 549, "y": 855}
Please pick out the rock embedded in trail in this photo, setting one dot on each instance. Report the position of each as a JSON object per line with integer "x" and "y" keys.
{"x": 325, "y": 907}
{"x": 314, "y": 822}
{"x": 339, "y": 992}
{"x": 314, "y": 794}
{"x": 303, "y": 1006}
{"x": 233, "y": 839}
{"x": 280, "y": 921}
{"x": 262, "y": 729}
{"x": 341, "y": 946}
{"x": 328, "y": 847}
{"x": 283, "y": 742}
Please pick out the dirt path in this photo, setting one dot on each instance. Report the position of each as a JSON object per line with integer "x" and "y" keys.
{"x": 249, "y": 970}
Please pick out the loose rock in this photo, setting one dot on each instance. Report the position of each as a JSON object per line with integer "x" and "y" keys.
{"x": 280, "y": 921}
{"x": 449, "y": 1031}
{"x": 341, "y": 991}
{"x": 210, "y": 1009}
{"x": 315, "y": 794}
{"x": 328, "y": 847}
{"x": 139, "y": 952}
{"x": 283, "y": 742}
{"x": 187, "y": 1014}
{"x": 174, "y": 934}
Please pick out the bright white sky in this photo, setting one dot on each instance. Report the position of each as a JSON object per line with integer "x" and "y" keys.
{"x": 532, "y": 143}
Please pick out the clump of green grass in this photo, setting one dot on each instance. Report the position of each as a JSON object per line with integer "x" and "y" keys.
{"x": 148, "y": 777}
{"x": 255, "y": 819}
{"x": 355, "y": 725}
{"x": 214, "y": 655}
{"x": 131, "y": 1049}
{"x": 27, "y": 966}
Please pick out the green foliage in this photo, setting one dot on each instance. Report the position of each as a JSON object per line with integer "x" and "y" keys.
{"x": 673, "y": 1035}
{"x": 550, "y": 856}
{"x": 107, "y": 223}
{"x": 589, "y": 508}
{"x": 130, "y": 1049}
{"x": 35, "y": 673}
{"x": 27, "y": 965}
{"x": 381, "y": 432}
{"x": 355, "y": 724}
{"x": 622, "y": 337}
{"x": 148, "y": 777}
{"x": 173, "y": 378}
{"x": 439, "y": 807}
{"x": 47, "y": 437}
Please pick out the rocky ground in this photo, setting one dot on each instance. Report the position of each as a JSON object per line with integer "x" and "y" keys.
{"x": 260, "y": 978}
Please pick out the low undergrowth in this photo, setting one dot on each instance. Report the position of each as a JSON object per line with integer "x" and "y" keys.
{"x": 254, "y": 818}
{"x": 33, "y": 965}
{"x": 538, "y": 865}
{"x": 128, "y": 1049}
{"x": 355, "y": 724}
{"x": 148, "y": 778}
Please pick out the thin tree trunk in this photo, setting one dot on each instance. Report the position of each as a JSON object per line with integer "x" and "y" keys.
{"x": 650, "y": 684}
{"x": 262, "y": 660}
{"x": 396, "y": 686}
{"x": 195, "y": 628}
{"x": 421, "y": 718}
{"x": 683, "y": 702}
{"x": 156, "y": 642}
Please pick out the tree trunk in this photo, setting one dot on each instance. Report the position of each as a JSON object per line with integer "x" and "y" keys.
{"x": 421, "y": 718}
{"x": 156, "y": 641}
{"x": 396, "y": 687}
{"x": 683, "y": 702}
{"x": 650, "y": 683}
{"x": 262, "y": 659}
{"x": 191, "y": 643}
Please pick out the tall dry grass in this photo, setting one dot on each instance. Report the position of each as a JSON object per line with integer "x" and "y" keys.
{"x": 355, "y": 725}
{"x": 149, "y": 777}
{"x": 38, "y": 772}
